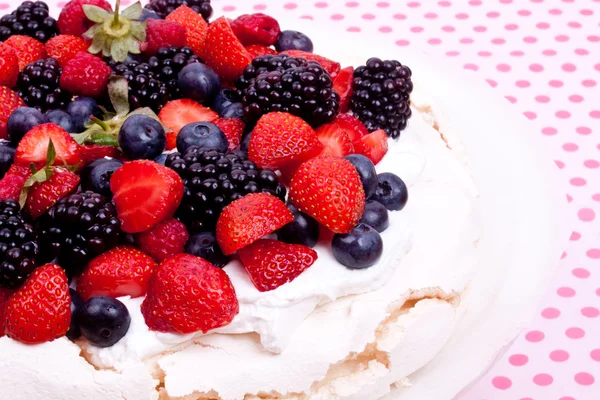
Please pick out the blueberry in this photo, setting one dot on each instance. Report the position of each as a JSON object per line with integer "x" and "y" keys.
{"x": 303, "y": 230}
{"x": 376, "y": 215}
{"x": 104, "y": 320}
{"x": 206, "y": 135}
{"x": 76, "y": 303}
{"x": 198, "y": 82}
{"x": 204, "y": 244}
{"x": 293, "y": 40}
{"x": 366, "y": 171}
{"x": 391, "y": 191}
{"x": 21, "y": 121}
{"x": 161, "y": 159}
{"x": 80, "y": 109}
{"x": 148, "y": 14}
{"x": 223, "y": 99}
{"x": 133, "y": 58}
{"x": 234, "y": 110}
{"x": 7, "y": 156}
{"x": 62, "y": 119}
{"x": 142, "y": 137}
{"x": 360, "y": 248}
{"x": 96, "y": 176}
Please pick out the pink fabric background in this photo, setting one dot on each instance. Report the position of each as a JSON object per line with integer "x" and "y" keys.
{"x": 544, "y": 57}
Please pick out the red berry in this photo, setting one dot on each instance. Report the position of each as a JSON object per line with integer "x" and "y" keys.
{"x": 9, "y": 102}
{"x": 329, "y": 190}
{"x": 85, "y": 75}
{"x": 233, "y": 128}
{"x": 93, "y": 152}
{"x": 145, "y": 194}
{"x": 271, "y": 264}
{"x": 374, "y": 145}
{"x": 178, "y": 113}
{"x": 187, "y": 294}
{"x": 122, "y": 271}
{"x": 44, "y": 195}
{"x": 63, "y": 48}
{"x": 4, "y": 295}
{"x": 165, "y": 240}
{"x": 9, "y": 66}
{"x": 353, "y": 127}
{"x": 343, "y": 86}
{"x": 259, "y": 50}
{"x": 40, "y": 311}
{"x": 72, "y": 19}
{"x": 34, "y": 146}
{"x": 250, "y": 218}
{"x": 12, "y": 183}
{"x": 333, "y": 67}
{"x": 279, "y": 139}
{"x": 256, "y": 29}
{"x": 27, "y": 49}
{"x": 161, "y": 33}
{"x": 196, "y": 28}
{"x": 335, "y": 140}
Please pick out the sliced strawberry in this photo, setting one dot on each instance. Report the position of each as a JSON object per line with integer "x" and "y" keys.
{"x": 271, "y": 263}
{"x": 165, "y": 240}
{"x": 12, "y": 183}
{"x": 44, "y": 195}
{"x": 145, "y": 194}
{"x": 280, "y": 138}
{"x": 353, "y": 127}
{"x": 34, "y": 145}
{"x": 122, "y": 271}
{"x": 343, "y": 86}
{"x": 223, "y": 52}
{"x": 178, "y": 113}
{"x": 94, "y": 152}
{"x": 250, "y": 218}
{"x": 335, "y": 140}
{"x": 196, "y": 28}
{"x": 333, "y": 67}
{"x": 374, "y": 145}
{"x": 233, "y": 128}
{"x": 259, "y": 50}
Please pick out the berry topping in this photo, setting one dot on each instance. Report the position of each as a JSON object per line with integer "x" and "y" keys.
{"x": 27, "y": 49}
{"x": 63, "y": 48}
{"x": 250, "y": 218}
{"x": 195, "y": 26}
{"x": 30, "y": 19}
{"x": 256, "y": 29}
{"x": 34, "y": 146}
{"x": 165, "y": 7}
{"x": 165, "y": 240}
{"x": 329, "y": 190}
{"x": 233, "y": 128}
{"x": 81, "y": 109}
{"x": 376, "y": 216}
{"x": 391, "y": 191}
{"x": 40, "y": 311}
{"x": 204, "y": 135}
{"x": 293, "y": 40}
{"x": 178, "y": 113}
{"x": 104, "y": 321}
{"x": 335, "y": 140}
{"x": 188, "y": 294}
{"x": 332, "y": 67}
{"x": 204, "y": 245}
{"x": 160, "y": 33}
{"x": 353, "y": 127}
{"x": 358, "y": 249}
{"x": 366, "y": 171}
{"x": 198, "y": 82}
{"x": 72, "y": 19}
{"x": 9, "y": 66}
{"x": 85, "y": 75}
{"x": 303, "y": 230}
{"x": 374, "y": 145}
{"x": 21, "y": 121}
{"x": 271, "y": 264}
{"x": 142, "y": 137}
{"x": 122, "y": 271}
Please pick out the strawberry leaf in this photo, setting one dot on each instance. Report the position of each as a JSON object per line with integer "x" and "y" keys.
{"x": 95, "y": 13}
{"x": 50, "y": 154}
{"x": 134, "y": 11}
{"x": 118, "y": 91}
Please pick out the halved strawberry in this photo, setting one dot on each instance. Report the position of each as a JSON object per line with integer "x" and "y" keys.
{"x": 343, "y": 86}
{"x": 233, "y": 128}
{"x": 259, "y": 50}
{"x": 12, "y": 183}
{"x": 145, "y": 194}
{"x": 279, "y": 139}
{"x": 223, "y": 51}
{"x": 196, "y": 28}
{"x": 271, "y": 263}
{"x": 45, "y": 194}
{"x": 333, "y": 67}
{"x": 122, "y": 271}
{"x": 353, "y": 127}
{"x": 178, "y": 113}
{"x": 335, "y": 140}
{"x": 93, "y": 152}
{"x": 374, "y": 145}
{"x": 250, "y": 218}
{"x": 34, "y": 145}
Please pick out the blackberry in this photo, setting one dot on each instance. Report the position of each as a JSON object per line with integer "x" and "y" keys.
{"x": 39, "y": 86}
{"x": 381, "y": 97}
{"x": 18, "y": 246}
{"x": 78, "y": 228}
{"x": 165, "y": 7}
{"x": 29, "y": 19}
{"x": 283, "y": 83}
{"x": 168, "y": 62}
{"x": 213, "y": 180}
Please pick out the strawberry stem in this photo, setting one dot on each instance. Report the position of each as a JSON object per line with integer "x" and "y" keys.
{"x": 100, "y": 123}
{"x": 116, "y": 23}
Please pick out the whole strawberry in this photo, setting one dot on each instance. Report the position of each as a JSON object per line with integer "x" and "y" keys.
{"x": 43, "y": 195}
{"x": 196, "y": 28}
{"x": 85, "y": 75}
{"x": 27, "y": 49}
{"x": 40, "y": 311}
{"x": 122, "y": 271}
{"x": 329, "y": 190}
{"x": 160, "y": 33}
{"x": 165, "y": 240}
{"x": 256, "y": 29}
{"x": 188, "y": 294}
{"x": 63, "y": 48}
{"x": 9, "y": 66}
{"x": 9, "y": 102}
{"x": 72, "y": 19}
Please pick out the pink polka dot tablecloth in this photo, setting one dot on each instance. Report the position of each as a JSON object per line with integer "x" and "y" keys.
{"x": 544, "y": 57}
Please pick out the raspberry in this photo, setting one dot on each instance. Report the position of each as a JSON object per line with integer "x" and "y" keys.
{"x": 256, "y": 29}
{"x": 85, "y": 75}
{"x": 164, "y": 241}
{"x": 161, "y": 33}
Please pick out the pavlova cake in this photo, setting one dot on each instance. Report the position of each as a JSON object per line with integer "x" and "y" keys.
{"x": 196, "y": 208}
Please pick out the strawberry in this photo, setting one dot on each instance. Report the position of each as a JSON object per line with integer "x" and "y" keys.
{"x": 250, "y": 218}
{"x": 188, "y": 294}
{"x": 280, "y": 138}
{"x": 333, "y": 67}
{"x": 13, "y": 181}
{"x": 271, "y": 264}
{"x": 343, "y": 86}
{"x": 329, "y": 190}
{"x": 145, "y": 194}
{"x": 335, "y": 140}
{"x": 4, "y": 295}
{"x": 165, "y": 240}
{"x": 9, "y": 66}
{"x": 65, "y": 47}
{"x": 233, "y": 128}
{"x": 72, "y": 19}
{"x": 122, "y": 271}
{"x": 256, "y": 29}
{"x": 40, "y": 311}
{"x": 34, "y": 145}
{"x": 9, "y": 102}
{"x": 160, "y": 33}
{"x": 223, "y": 52}
{"x": 353, "y": 127}
{"x": 178, "y": 113}
{"x": 374, "y": 145}
{"x": 85, "y": 75}
{"x": 259, "y": 50}
{"x": 44, "y": 195}
{"x": 196, "y": 28}
{"x": 27, "y": 49}
{"x": 93, "y": 152}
